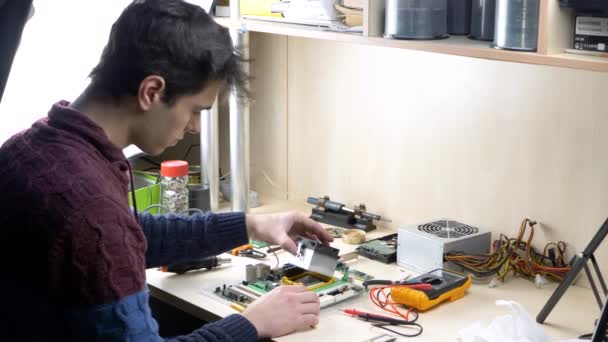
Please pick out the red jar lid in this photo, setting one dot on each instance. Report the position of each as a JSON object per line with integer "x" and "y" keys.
{"x": 174, "y": 168}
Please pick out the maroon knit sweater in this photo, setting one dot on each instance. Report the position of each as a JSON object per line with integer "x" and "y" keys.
{"x": 74, "y": 255}
{"x": 65, "y": 193}
{"x": 67, "y": 233}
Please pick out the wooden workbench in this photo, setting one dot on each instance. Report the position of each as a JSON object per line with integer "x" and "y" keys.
{"x": 193, "y": 293}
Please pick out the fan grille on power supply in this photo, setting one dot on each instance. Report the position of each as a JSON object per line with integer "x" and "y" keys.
{"x": 448, "y": 229}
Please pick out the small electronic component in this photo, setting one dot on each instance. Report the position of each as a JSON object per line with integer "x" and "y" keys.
{"x": 330, "y": 290}
{"x": 348, "y": 272}
{"x": 383, "y": 249}
{"x": 258, "y": 244}
{"x": 359, "y": 275}
{"x": 445, "y": 285}
{"x": 316, "y": 257}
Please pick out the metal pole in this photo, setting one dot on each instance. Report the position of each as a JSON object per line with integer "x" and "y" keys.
{"x": 210, "y": 155}
{"x": 239, "y": 123}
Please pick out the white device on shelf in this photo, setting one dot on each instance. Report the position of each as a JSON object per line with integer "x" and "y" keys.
{"x": 309, "y": 9}
{"x": 421, "y": 247}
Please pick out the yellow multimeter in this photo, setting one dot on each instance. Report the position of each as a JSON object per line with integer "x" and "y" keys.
{"x": 446, "y": 285}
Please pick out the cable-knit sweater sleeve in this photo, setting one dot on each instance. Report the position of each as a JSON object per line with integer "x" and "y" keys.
{"x": 173, "y": 238}
{"x": 130, "y": 319}
{"x": 232, "y": 328}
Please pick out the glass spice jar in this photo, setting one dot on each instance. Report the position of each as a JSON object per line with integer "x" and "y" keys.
{"x": 174, "y": 185}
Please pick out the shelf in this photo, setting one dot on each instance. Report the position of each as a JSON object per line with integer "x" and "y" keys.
{"x": 457, "y": 46}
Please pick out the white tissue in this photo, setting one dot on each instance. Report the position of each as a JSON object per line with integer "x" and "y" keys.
{"x": 517, "y": 326}
{"x": 540, "y": 281}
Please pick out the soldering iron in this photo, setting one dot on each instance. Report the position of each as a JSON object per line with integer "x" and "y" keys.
{"x": 197, "y": 264}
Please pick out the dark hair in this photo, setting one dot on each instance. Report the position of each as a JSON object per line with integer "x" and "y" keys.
{"x": 170, "y": 38}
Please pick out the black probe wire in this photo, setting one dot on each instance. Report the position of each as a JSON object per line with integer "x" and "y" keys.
{"x": 190, "y": 149}
{"x": 150, "y": 161}
{"x": 273, "y": 249}
{"x": 404, "y": 325}
{"x": 276, "y": 257}
{"x": 413, "y": 312}
{"x": 382, "y": 305}
{"x": 398, "y": 323}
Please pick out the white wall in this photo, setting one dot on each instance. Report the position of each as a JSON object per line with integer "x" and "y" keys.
{"x": 420, "y": 136}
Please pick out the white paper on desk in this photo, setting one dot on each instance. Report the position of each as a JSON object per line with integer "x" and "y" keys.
{"x": 518, "y": 326}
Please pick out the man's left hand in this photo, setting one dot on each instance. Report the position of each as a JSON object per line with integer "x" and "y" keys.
{"x": 282, "y": 229}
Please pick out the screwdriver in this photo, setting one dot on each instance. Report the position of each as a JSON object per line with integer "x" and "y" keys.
{"x": 206, "y": 262}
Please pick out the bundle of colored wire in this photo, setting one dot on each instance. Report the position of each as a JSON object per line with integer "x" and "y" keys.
{"x": 381, "y": 298}
{"x": 516, "y": 256}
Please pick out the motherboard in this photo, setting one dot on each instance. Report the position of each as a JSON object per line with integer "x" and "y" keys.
{"x": 260, "y": 279}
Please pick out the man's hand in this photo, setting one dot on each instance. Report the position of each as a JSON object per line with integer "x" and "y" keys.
{"x": 281, "y": 229}
{"x": 284, "y": 310}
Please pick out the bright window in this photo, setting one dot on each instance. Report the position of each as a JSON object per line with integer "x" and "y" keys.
{"x": 60, "y": 45}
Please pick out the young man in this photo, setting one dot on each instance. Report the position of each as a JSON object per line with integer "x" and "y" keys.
{"x": 74, "y": 253}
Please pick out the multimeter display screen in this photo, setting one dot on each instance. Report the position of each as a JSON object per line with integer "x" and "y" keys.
{"x": 441, "y": 280}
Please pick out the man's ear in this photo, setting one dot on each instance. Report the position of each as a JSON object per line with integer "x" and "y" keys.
{"x": 150, "y": 91}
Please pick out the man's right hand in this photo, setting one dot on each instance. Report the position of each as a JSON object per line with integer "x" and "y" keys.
{"x": 284, "y": 310}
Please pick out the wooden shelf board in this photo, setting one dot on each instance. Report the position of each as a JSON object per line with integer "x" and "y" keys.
{"x": 457, "y": 45}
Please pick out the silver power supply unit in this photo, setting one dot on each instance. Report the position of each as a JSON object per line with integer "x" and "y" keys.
{"x": 421, "y": 248}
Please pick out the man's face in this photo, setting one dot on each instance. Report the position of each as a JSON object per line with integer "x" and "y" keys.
{"x": 165, "y": 125}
